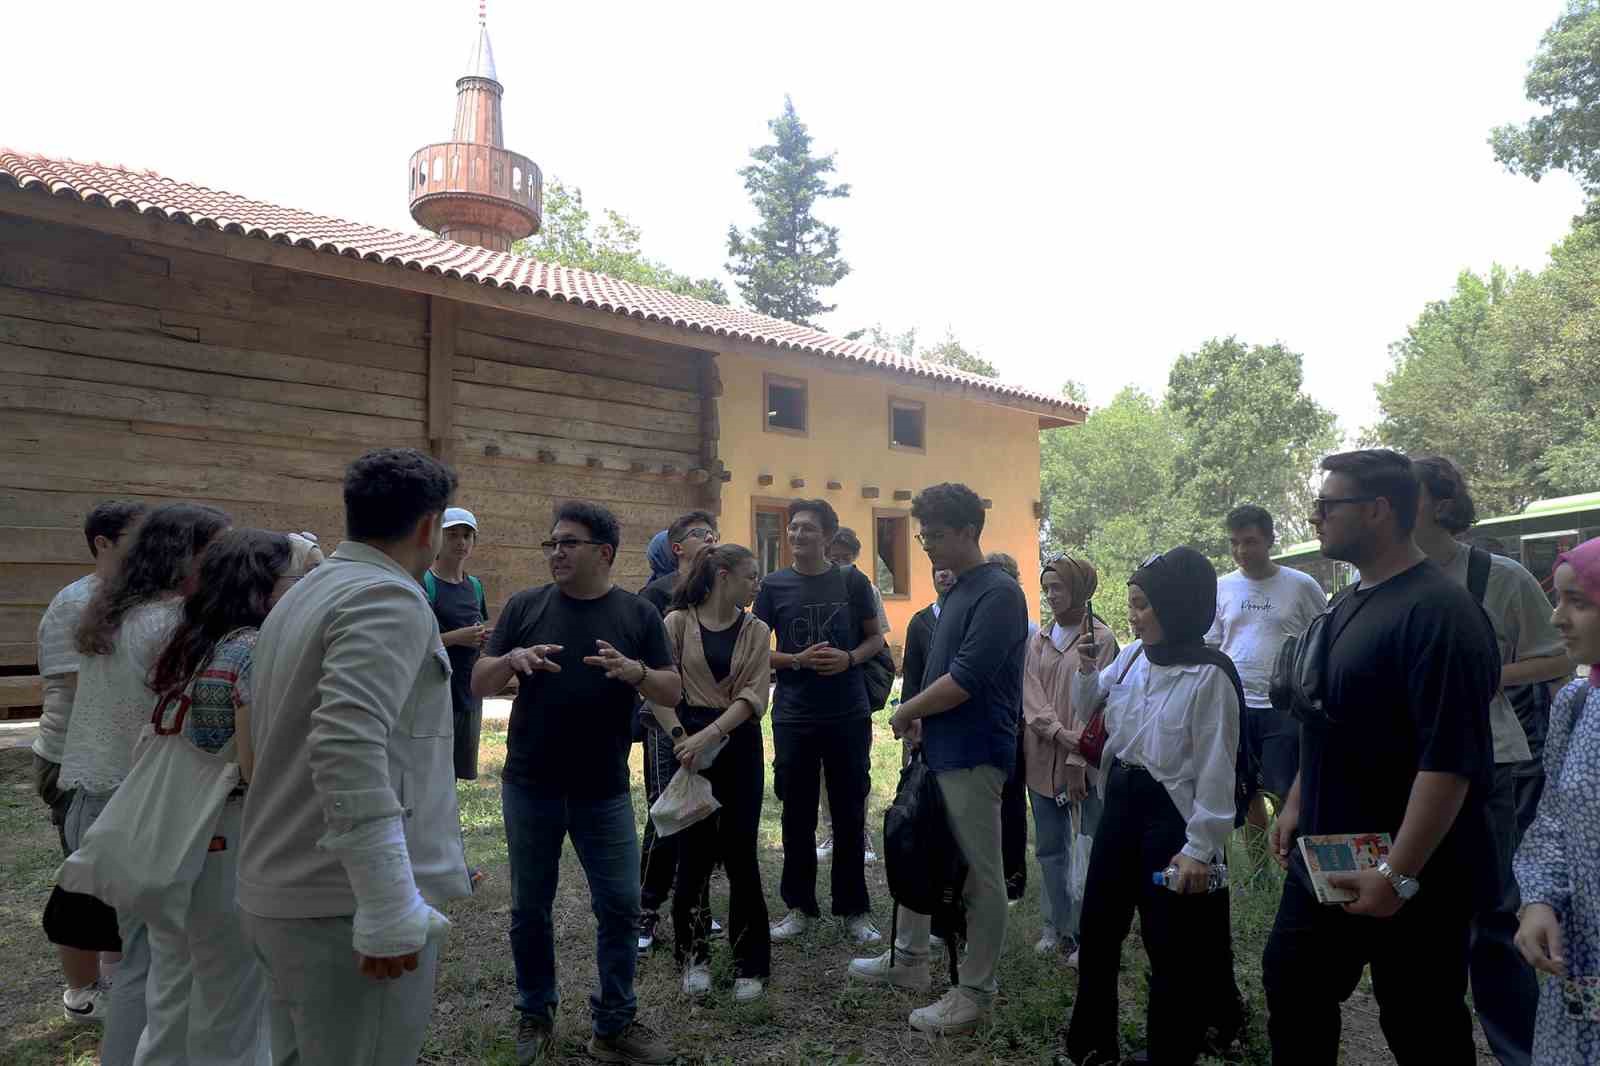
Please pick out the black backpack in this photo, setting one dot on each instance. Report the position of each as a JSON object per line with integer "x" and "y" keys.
{"x": 878, "y": 671}
{"x": 925, "y": 867}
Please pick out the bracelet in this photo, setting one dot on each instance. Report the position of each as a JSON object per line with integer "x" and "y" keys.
{"x": 644, "y": 672}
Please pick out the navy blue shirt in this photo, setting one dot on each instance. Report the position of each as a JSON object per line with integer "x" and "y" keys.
{"x": 980, "y": 640}
{"x": 806, "y": 609}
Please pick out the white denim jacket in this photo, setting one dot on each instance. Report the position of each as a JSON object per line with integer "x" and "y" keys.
{"x": 350, "y": 718}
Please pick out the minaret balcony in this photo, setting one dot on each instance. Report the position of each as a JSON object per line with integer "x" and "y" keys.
{"x": 477, "y": 187}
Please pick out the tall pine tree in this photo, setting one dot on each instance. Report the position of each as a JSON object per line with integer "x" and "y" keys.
{"x": 789, "y": 257}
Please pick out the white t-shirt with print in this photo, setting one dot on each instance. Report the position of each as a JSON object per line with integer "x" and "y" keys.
{"x": 1254, "y": 618}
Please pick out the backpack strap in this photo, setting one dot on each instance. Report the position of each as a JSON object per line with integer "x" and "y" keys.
{"x": 430, "y": 585}
{"x": 1478, "y": 562}
{"x": 477, "y": 586}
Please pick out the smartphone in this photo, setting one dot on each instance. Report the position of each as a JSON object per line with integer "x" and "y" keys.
{"x": 1088, "y": 648}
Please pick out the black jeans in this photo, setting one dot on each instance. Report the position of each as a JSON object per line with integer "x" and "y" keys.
{"x": 1505, "y": 991}
{"x": 1184, "y": 935}
{"x": 842, "y": 750}
{"x": 738, "y": 782}
{"x": 1314, "y": 958}
{"x": 1014, "y": 827}
{"x": 658, "y": 857}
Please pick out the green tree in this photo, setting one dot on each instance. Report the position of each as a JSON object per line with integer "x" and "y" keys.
{"x": 1249, "y": 434}
{"x": 1563, "y": 78}
{"x": 905, "y": 343}
{"x": 788, "y": 257}
{"x": 570, "y": 236}
{"x": 953, "y": 354}
{"x": 1107, "y": 487}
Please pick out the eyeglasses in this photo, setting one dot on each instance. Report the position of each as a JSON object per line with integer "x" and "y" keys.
{"x": 1320, "y": 505}
{"x": 566, "y": 544}
{"x": 702, "y": 533}
{"x": 925, "y": 539}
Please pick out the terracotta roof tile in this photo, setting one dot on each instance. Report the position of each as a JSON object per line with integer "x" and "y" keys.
{"x": 150, "y": 193}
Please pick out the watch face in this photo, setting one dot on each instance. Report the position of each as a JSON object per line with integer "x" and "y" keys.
{"x": 1407, "y": 888}
{"x": 677, "y": 731}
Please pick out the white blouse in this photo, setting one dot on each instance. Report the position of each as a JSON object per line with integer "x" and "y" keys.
{"x": 113, "y": 701}
{"x": 1182, "y": 724}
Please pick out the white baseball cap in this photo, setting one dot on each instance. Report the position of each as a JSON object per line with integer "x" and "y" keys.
{"x": 460, "y": 516}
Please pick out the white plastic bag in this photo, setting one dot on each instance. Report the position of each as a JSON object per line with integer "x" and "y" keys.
{"x": 686, "y": 800}
{"x": 144, "y": 852}
{"x": 1082, "y": 845}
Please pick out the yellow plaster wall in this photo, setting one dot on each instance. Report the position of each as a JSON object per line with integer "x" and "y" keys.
{"x": 992, "y": 450}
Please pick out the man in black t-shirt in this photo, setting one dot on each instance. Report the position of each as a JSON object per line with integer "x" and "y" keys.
{"x": 826, "y": 623}
{"x": 688, "y": 538}
{"x": 1412, "y": 664}
{"x": 585, "y": 650}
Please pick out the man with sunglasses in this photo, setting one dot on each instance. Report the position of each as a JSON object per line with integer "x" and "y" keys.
{"x": 688, "y": 538}
{"x": 584, "y": 651}
{"x": 826, "y": 624}
{"x": 1402, "y": 746}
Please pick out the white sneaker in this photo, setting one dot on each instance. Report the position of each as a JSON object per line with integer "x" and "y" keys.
{"x": 716, "y": 930}
{"x": 1049, "y": 941}
{"x": 868, "y": 854}
{"x": 748, "y": 989}
{"x": 84, "y": 1006}
{"x": 936, "y": 942}
{"x": 907, "y": 972}
{"x": 697, "y": 980}
{"x": 794, "y": 923}
{"x": 1072, "y": 960}
{"x": 862, "y": 931}
{"x": 955, "y": 1012}
{"x": 825, "y": 848}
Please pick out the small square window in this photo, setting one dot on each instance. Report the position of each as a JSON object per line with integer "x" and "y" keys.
{"x": 786, "y": 404}
{"x": 907, "y": 425}
{"x": 891, "y": 553}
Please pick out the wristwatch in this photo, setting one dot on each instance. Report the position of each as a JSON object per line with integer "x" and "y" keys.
{"x": 1404, "y": 887}
{"x": 677, "y": 732}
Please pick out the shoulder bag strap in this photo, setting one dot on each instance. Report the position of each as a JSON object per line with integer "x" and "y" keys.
{"x": 1478, "y": 563}
{"x": 430, "y": 585}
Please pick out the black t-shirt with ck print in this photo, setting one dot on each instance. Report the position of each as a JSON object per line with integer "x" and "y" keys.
{"x": 807, "y": 609}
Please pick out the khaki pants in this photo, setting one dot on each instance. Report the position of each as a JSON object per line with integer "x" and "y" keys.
{"x": 972, "y": 802}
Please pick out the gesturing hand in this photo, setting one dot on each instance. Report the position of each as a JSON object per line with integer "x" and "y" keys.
{"x": 618, "y": 667}
{"x": 535, "y": 657}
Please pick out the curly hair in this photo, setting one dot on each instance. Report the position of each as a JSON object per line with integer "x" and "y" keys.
{"x": 162, "y": 553}
{"x": 386, "y": 492}
{"x": 949, "y": 504}
{"x": 237, "y": 574}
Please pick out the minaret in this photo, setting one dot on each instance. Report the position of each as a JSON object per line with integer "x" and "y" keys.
{"x": 471, "y": 188}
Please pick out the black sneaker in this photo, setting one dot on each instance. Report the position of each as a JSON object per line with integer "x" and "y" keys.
{"x": 648, "y": 920}
{"x": 534, "y": 1035}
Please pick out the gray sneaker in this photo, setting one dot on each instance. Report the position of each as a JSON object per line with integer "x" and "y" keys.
{"x": 636, "y": 1045}
{"x": 534, "y": 1035}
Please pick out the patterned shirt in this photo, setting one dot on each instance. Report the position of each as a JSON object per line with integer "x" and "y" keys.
{"x": 220, "y": 690}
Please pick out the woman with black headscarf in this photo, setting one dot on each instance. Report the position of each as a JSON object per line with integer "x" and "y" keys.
{"x": 1172, "y": 722}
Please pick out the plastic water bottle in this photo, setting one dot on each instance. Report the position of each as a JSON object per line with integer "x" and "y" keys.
{"x": 1168, "y": 878}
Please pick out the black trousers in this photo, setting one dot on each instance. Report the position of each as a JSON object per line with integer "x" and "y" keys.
{"x": 738, "y": 781}
{"x": 1014, "y": 828}
{"x": 842, "y": 751}
{"x": 658, "y": 857}
{"x": 1183, "y": 935}
{"x": 1505, "y": 990}
{"x": 1314, "y": 958}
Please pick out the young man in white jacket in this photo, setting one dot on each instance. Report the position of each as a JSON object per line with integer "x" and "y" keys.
{"x": 351, "y": 835}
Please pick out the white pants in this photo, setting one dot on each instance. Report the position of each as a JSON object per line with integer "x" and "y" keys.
{"x": 207, "y": 994}
{"x": 324, "y": 1011}
{"x": 125, "y": 1016}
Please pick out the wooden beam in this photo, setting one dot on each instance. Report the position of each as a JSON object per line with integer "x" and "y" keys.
{"x": 21, "y": 691}
{"x": 291, "y": 257}
{"x": 442, "y": 316}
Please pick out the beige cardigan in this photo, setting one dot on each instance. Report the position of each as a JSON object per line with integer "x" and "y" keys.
{"x": 750, "y": 677}
{"x": 1047, "y": 699}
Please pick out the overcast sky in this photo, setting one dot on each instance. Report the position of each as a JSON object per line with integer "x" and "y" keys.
{"x": 1076, "y": 190}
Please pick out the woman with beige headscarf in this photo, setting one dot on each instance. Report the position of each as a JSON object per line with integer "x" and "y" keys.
{"x": 1062, "y": 788}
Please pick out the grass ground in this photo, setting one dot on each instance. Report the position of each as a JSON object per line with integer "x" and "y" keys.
{"x": 811, "y": 1015}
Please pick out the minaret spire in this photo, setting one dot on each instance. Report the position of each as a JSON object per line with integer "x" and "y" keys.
{"x": 471, "y": 188}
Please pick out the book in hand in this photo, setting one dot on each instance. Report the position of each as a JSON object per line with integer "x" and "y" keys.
{"x": 1341, "y": 853}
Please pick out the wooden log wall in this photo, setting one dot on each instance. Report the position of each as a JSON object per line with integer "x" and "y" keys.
{"x": 141, "y": 371}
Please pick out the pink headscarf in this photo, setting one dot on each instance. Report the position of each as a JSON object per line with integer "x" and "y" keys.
{"x": 1585, "y": 563}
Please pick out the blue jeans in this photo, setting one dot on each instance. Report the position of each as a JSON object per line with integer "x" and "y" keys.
{"x": 1053, "y": 839}
{"x": 602, "y": 834}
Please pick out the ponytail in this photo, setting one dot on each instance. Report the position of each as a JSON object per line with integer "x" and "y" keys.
{"x": 696, "y": 588}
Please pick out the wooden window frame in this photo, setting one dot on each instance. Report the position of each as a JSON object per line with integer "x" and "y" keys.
{"x": 922, "y": 409}
{"x": 767, "y": 381}
{"x": 759, "y": 504}
{"x": 904, "y": 515}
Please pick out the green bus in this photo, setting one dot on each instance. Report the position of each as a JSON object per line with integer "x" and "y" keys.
{"x": 1543, "y": 530}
